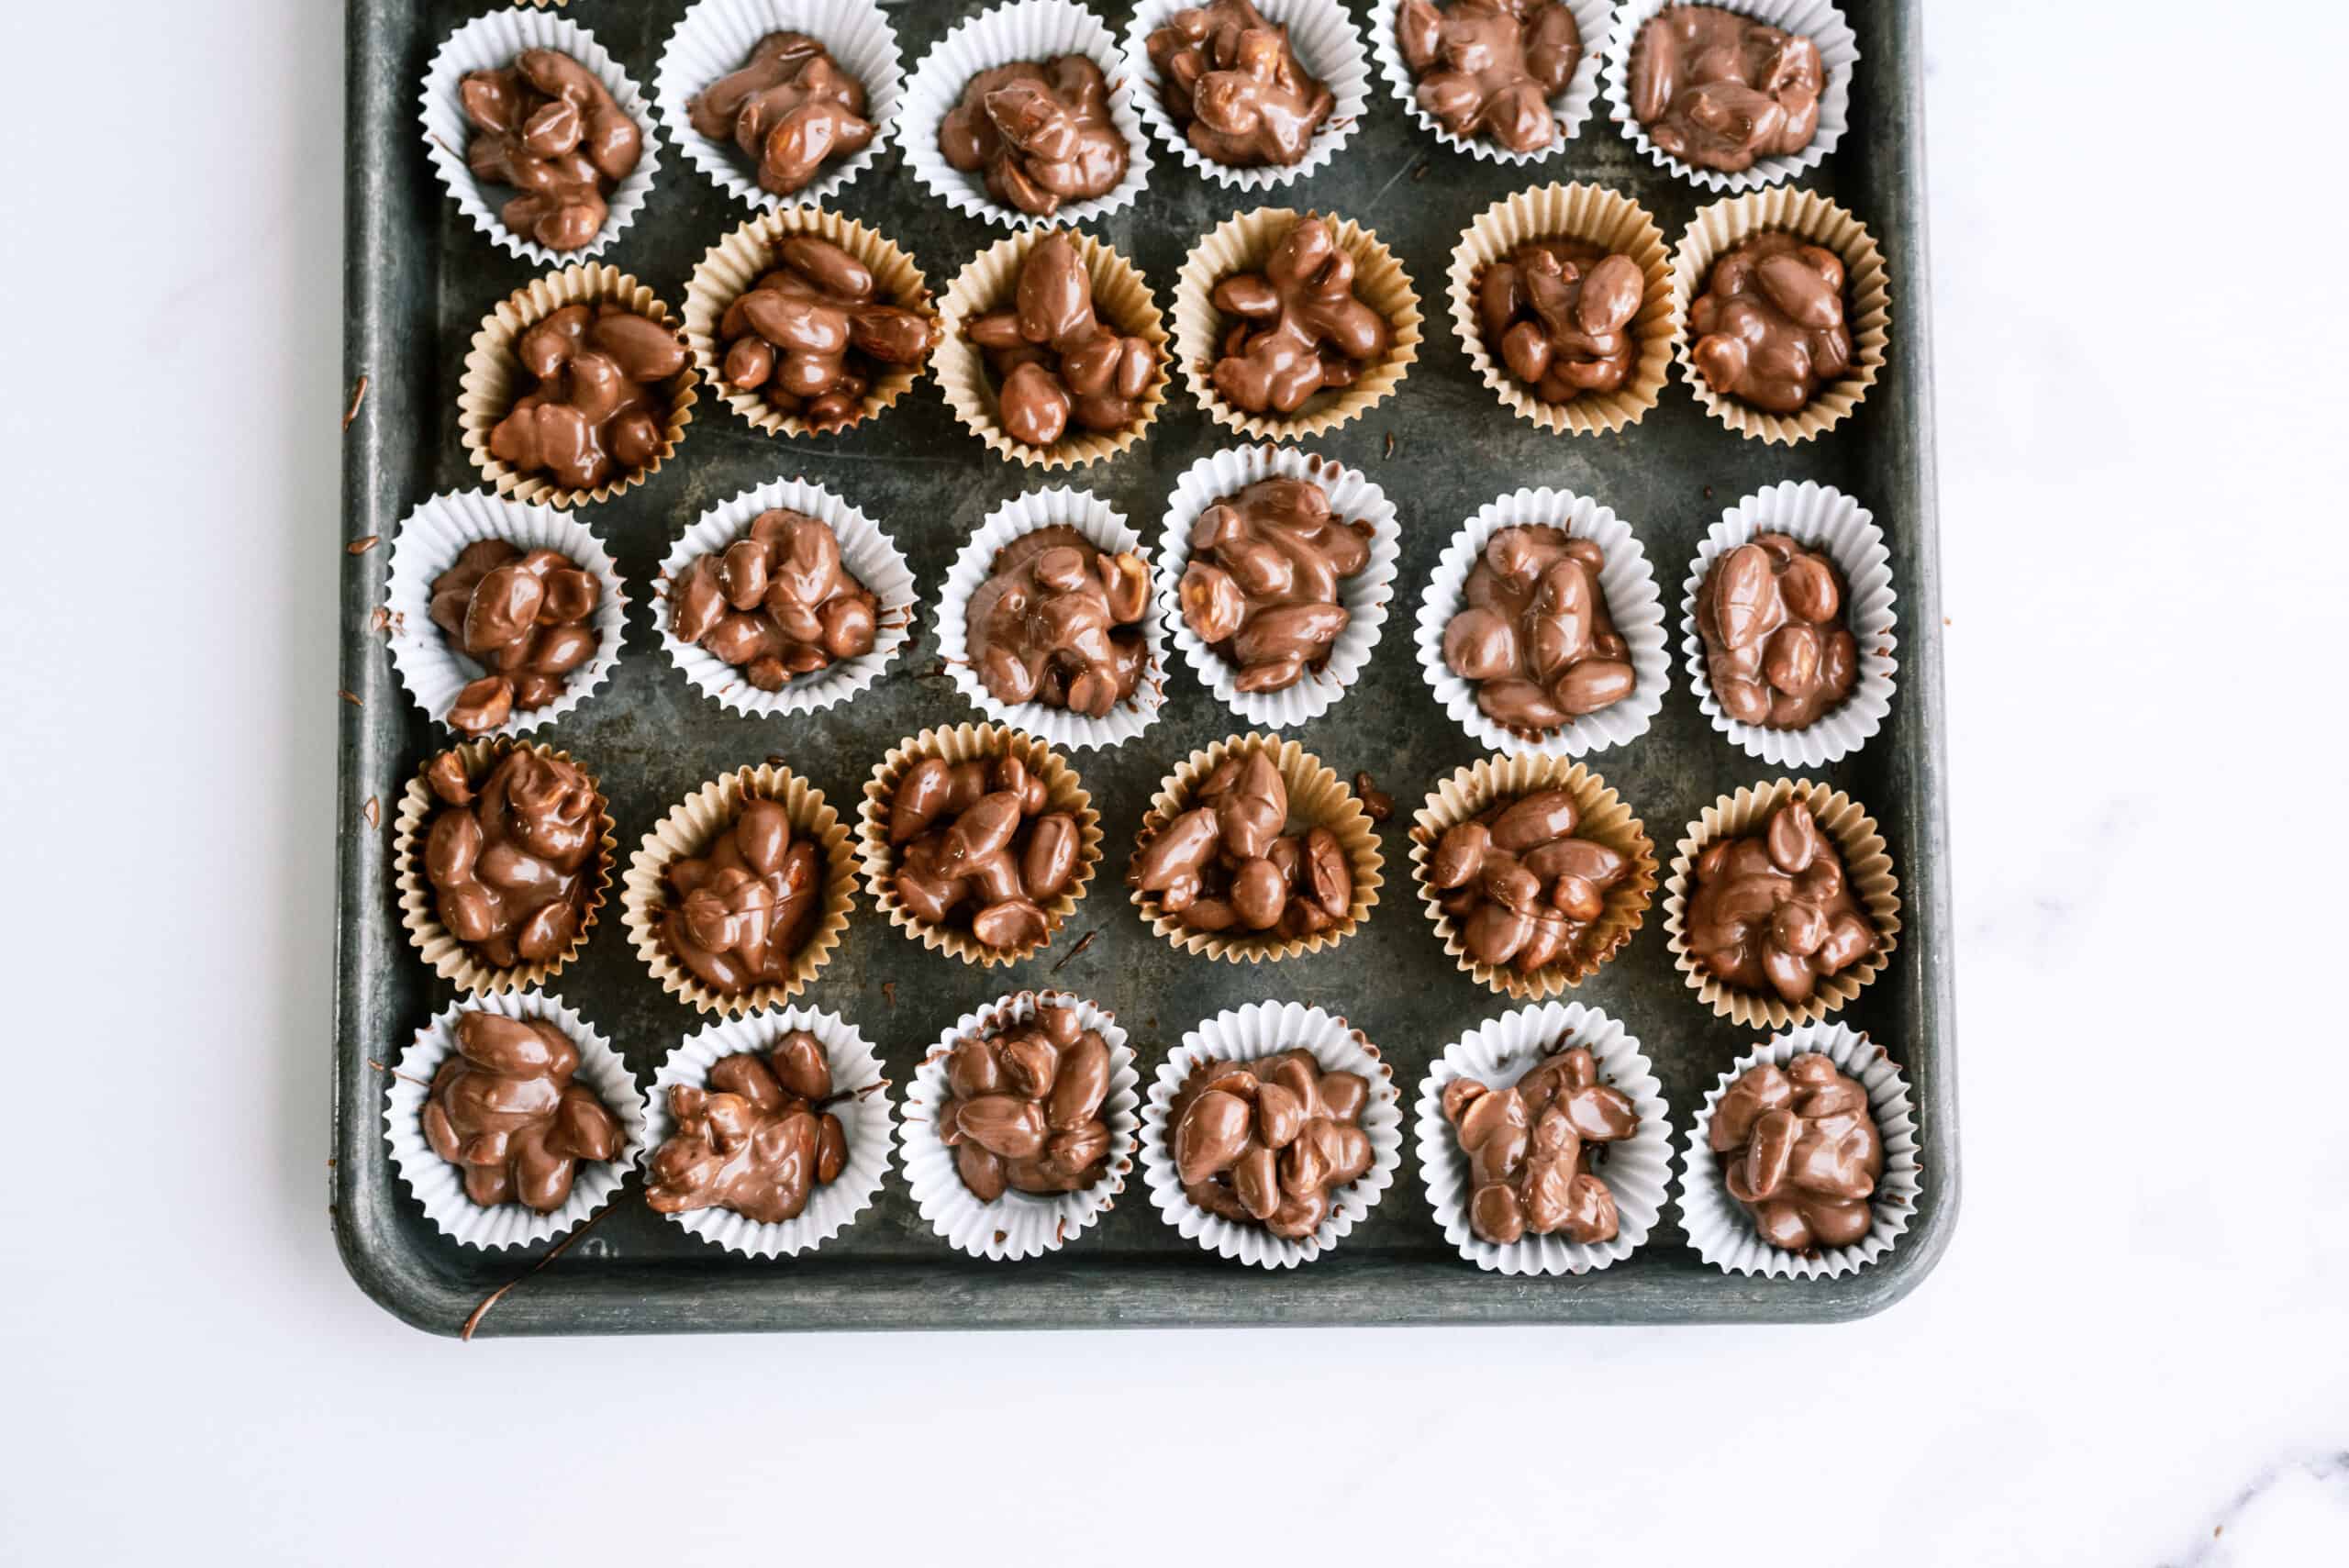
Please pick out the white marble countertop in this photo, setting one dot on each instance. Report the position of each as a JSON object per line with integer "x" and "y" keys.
{"x": 2140, "y": 1323}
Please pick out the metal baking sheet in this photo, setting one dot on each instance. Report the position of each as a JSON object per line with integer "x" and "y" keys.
{"x": 419, "y": 279}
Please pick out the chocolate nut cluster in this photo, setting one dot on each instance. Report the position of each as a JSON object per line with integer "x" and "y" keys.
{"x": 504, "y": 1110}
{"x": 1769, "y": 327}
{"x": 522, "y": 614}
{"x": 511, "y": 866}
{"x": 1023, "y": 1112}
{"x": 1720, "y": 90}
{"x": 1799, "y": 1150}
{"x": 741, "y": 913}
{"x": 1522, "y": 890}
{"x": 1059, "y": 622}
{"x": 1771, "y": 911}
{"x": 1299, "y": 330}
{"x": 1267, "y": 1142}
{"x": 758, "y": 1139}
{"x": 1490, "y": 67}
{"x": 1229, "y": 77}
{"x": 1261, "y": 585}
{"x": 1054, "y": 360}
{"x": 789, "y": 107}
{"x": 549, "y": 128}
{"x": 809, "y": 334}
{"x": 1534, "y": 632}
{"x": 1530, "y": 1148}
{"x": 1776, "y": 650}
{"x": 1558, "y": 313}
{"x": 599, "y": 402}
{"x": 976, "y": 843}
{"x": 1039, "y": 131}
{"x": 776, "y": 603}
{"x": 1229, "y": 864}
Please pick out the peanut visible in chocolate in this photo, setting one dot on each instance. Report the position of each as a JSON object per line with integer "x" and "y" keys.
{"x": 1534, "y": 632}
{"x": 506, "y": 1111}
{"x": 1231, "y": 864}
{"x": 1490, "y": 67}
{"x": 789, "y": 107}
{"x": 1769, "y": 327}
{"x": 511, "y": 866}
{"x": 1532, "y": 1146}
{"x": 1770, "y": 912}
{"x": 1023, "y": 1111}
{"x": 1261, "y": 585}
{"x": 1520, "y": 888}
{"x": 1720, "y": 90}
{"x": 599, "y": 400}
{"x": 1558, "y": 313}
{"x": 977, "y": 844}
{"x": 520, "y": 615}
{"x": 776, "y": 603}
{"x": 1799, "y": 1150}
{"x": 757, "y": 1139}
{"x": 740, "y": 913}
{"x": 809, "y": 334}
{"x": 1776, "y": 650}
{"x": 1039, "y": 131}
{"x": 1298, "y": 330}
{"x": 1229, "y": 77}
{"x": 549, "y": 128}
{"x": 1268, "y": 1142}
{"x": 1055, "y": 362}
{"x": 1059, "y": 622}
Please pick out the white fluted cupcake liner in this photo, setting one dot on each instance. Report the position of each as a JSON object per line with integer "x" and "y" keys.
{"x": 1326, "y": 43}
{"x": 1352, "y": 497}
{"x": 716, "y": 37}
{"x": 1017, "y": 1225}
{"x": 1633, "y": 601}
{"x": 1718, "y": 1227}
{"x": 1032, "y": 30}
{"x": 1637, "y": 1169}
{"x": 1818, "y": 20}
{"x": 863, "y": 1111}
{"x": 1827, "y": 520}
{"x": 440, "y": 1186}
{"x": 867, "y": 553}
{"x": 490, "y": 42}
{"x": 431, "y": 538}
{"x": 1248, "y": 1034}
{"x": 1592, "y": 18}
{"x": 1107, "y": 530}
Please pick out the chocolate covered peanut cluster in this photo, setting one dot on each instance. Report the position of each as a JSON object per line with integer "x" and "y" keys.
{"x": 1231, "y": 863}
{"x": 511, "y": 866}
{"x": 504, "y": 1110}
{"x": 1769, "y": 329}
{"x": 1558, "y": 313}
{"x": 1298, "y": 330}
{"x": 1268, "y": 1142}
{"x": 1038, "y": 132}
{"x": 1534, "y": 632}
{"x": 1531, "y": 1147}
{"x": 1229, "y": 77}
{"x": 1055, "y": 362}
{"x": 808, "y": 335}
{"x": 757, "y": 1139}
{"x": 1771, "y": 912}
{"x": 1721, "y": 90}
{"x": 1799, "y": 1150}
{"x": 521, "y": 614}
{"x": 789, "y": 107}
{"x": 977, "y": 845}
{"x": 1520, "y": 888}
{"x": 1261, "y": 588}
{"x": 776, "y": 603}
{"x": 599, "y": 400}
{"x": 549, "y": 128}
{"x": 740, "y": 913}
{"x": 1023, "y": 1112}
{"x": 1776, "y": 650}
{"x": 1058, "y": 621}
{"x": 1490, "y": 67}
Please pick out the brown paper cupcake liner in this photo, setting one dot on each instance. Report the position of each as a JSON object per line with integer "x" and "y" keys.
{"x": 1242, "y": 243}
{"x": 450, "y": 958}
{"x": 1064, "y": 792}
{"x": 1598, "y": 216}
{"x": 492, "y": 378}
{"x": 728, "y": 269}
{"x": 1867, "y": 302}
{"x": 1121, "y": 297}
{"x": 1316, "y": 796}
{"x": 1604, "y": 818}
{"x": 688, "y": 829}
{"x": 1868, "y": 872}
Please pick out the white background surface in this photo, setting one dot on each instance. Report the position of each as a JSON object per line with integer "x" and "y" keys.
{"x": 2142, "y": 354}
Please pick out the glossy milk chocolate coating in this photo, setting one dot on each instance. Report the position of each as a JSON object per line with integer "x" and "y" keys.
{"x": 790, "y": 106}
{"x": 504, "y": 1110}
{"x": 776, "y": 603}
{"x": 976, "y": 845}
{"x": 739, "y": 914}
{"x": 809, "y": 334}
{"x": 521, "y": 616}
{"x": 1059, "y": 622}
{"x": 1300, "y": 329}
{"x": 1720, "y": 90}
{"x": 757, "y": 1139}
{"x": 1530, "y": 1148}
{"x": 1771, "y": 912}
{"x": 1230, "y": 863}
{"x": 1521, "y": 889}
{"x": 1041, "y": 132}
{"x": 1490, "y": 67}
{"x": 1266, "y": 1142}
{"x": 599, "y": 400}
{"x": 1558, "y": 313}
{"x": 511, "y": 866}
{"x": 1261, "y": 587}
{"x": 1024, "y": 1110}
{"x": 1769, "y": 327}
{"x": 549, "y": 128}
{"x": 1776, "y": 649}
{"x": 1533, "y": 633}
{"x": 1229, "y": 76}
{"x": 1055, "y": 362}
{"x": 1799, "y": 1149}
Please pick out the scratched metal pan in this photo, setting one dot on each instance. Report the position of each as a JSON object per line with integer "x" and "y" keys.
{"x": 419, "y": 279}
